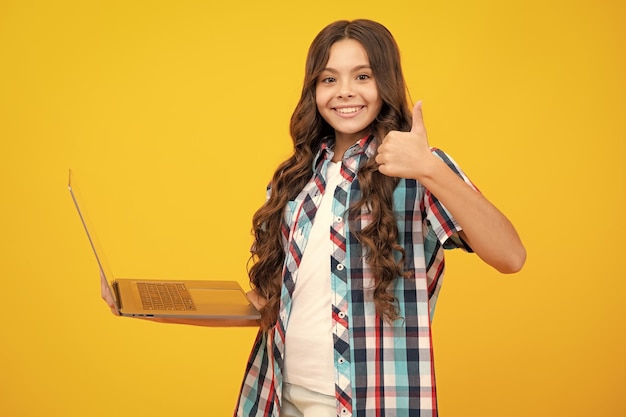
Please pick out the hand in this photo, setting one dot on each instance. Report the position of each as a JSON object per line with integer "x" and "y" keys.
{"x": 405, "y": 154}
{"x": 257, "y": 301}
{"x": 105, "y": 291}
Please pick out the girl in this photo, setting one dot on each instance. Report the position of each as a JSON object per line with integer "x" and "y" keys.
{"x": 348, "y": 253}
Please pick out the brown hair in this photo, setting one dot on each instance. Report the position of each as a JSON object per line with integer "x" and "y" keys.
{"x": 308, "y": 129}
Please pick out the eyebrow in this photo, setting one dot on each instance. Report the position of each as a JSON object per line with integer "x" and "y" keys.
{"x": 357, "y": 68}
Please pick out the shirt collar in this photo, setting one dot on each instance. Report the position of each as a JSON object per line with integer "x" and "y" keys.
{"x": 366, "y": 145}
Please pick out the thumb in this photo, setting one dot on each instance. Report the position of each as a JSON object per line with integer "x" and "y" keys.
{"x": 418, "y": 119}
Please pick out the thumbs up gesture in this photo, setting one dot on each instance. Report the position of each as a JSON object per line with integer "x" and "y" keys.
{"x": 404, "y": 154}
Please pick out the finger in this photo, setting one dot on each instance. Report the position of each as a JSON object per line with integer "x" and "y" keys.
{"x": 257, "y": 301}
{"x": 380, "y": 159}
{"x": 418, "y": 119}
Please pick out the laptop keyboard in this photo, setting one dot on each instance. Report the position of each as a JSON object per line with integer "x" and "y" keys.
{"x": 165, "y": 296}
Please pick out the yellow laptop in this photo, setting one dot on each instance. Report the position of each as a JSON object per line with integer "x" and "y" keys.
{"x": 219, "y": 299}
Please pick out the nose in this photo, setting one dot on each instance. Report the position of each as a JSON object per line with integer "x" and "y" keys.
{"x": 345, "y": 90}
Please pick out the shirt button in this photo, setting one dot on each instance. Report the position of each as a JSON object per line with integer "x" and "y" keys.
{"x": 341, "y": 360}
{"x": 341, "y": 314}
{"x": 340, "y": 267}
{"x": 338, "y": 219}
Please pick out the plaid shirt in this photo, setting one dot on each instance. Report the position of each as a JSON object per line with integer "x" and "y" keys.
{"x": 380, "y": 369}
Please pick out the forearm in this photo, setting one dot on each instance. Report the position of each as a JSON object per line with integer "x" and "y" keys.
{"x": 485, "y": 228}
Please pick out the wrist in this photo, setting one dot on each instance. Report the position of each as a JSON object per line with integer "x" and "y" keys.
{"x": 429, "y": 168}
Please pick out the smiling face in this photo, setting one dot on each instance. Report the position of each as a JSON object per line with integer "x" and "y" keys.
{"x": 346, "y": 93}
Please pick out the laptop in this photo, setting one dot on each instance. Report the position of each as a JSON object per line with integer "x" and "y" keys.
{"x": 219, "y": 300}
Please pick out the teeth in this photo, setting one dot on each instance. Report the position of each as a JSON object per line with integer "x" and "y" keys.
{"x": 347, "y": 110}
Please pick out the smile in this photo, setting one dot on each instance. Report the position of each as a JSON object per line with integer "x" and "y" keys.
{"x": 348, "y": 110}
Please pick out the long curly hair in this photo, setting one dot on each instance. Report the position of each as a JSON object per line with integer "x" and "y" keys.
{"x": 308, "y": 128}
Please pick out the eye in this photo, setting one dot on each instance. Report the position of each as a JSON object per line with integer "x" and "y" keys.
{"x": 363, "y": 77}
{"x": 327, "y": 80}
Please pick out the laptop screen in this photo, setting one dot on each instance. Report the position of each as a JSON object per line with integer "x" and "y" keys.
{"x": 93, "y": 240}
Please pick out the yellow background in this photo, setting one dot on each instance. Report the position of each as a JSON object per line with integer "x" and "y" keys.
{"x": 174, "y": 115}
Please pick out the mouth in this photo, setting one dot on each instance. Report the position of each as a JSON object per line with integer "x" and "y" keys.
{"x": 347, "y": 111}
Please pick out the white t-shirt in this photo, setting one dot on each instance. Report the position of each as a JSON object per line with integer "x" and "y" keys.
{"x": 309, "y": 338}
